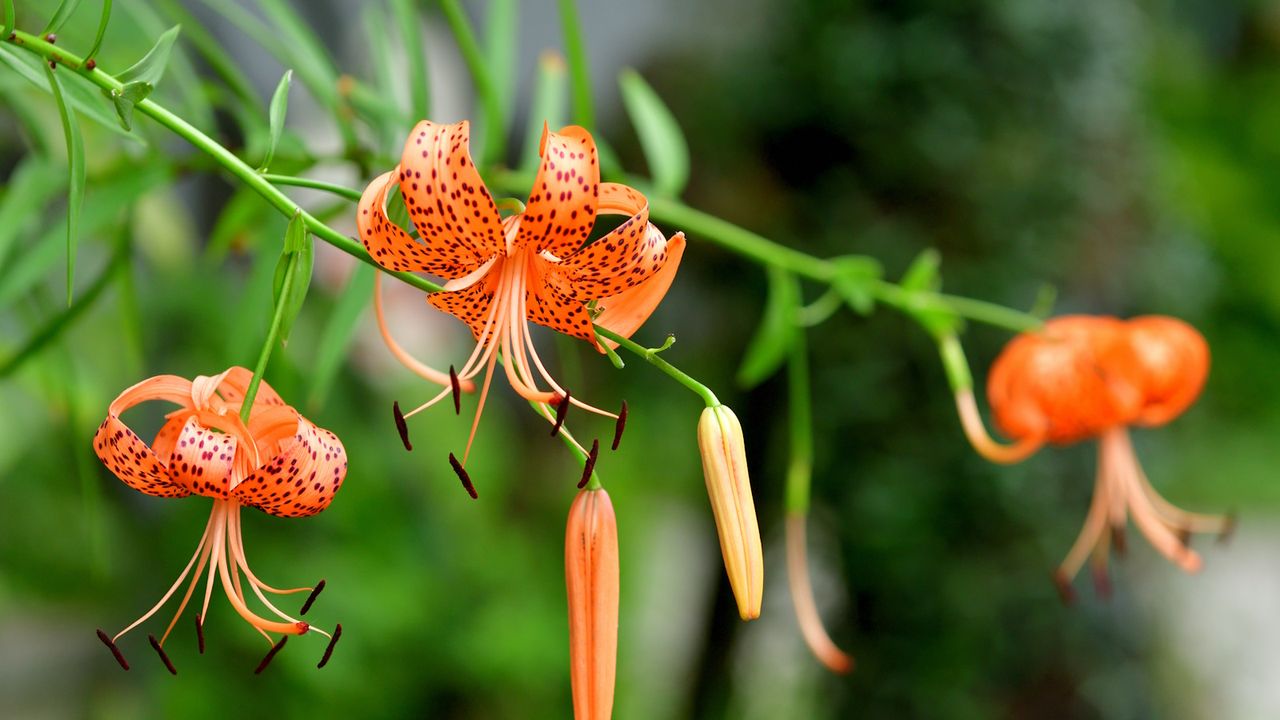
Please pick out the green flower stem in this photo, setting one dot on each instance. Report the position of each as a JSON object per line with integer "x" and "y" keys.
{"x": 10, "y": 17}
{"x": 654, "y": 359}
{"x": 290, "y": 180}
{"x": 800, "y": 467}
{"x": 277, "y": 319}
{"x": 979, "y": 310}
{"x": 954, "y": 363}
{"x": 220, "y": 154}
{"x": 473, "y": 55}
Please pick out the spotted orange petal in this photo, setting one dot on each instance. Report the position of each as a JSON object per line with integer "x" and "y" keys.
{"x": 471, "y": 303}
{"x": 549, "y": 307}
{"x": 456, "y": 218}
{"x": 124, "y": 453}
{"x": 625, "y": 312}
{"x": 202, "y": 459}
{"x": 562, "y": 205}
{"x": 388, "y": 244}
{"x": 306, "y": 471}
{"x": 623, "y": 259}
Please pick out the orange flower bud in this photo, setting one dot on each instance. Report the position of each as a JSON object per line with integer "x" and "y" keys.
{"x": 1174, "y": 362}
{"x": 591, "y": 574}
{"x": 724, "y": 463}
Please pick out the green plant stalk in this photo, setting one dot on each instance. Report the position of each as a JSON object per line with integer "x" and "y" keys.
{"x": 800, "y": 466}
{"x": 293, "y": 181}
{"x": 954, "y": 363}
{"x": 656, "y": 360}
{"x": 473, "y": 55}
{"x": 224, "y": 157}
{"x": 277, "y": 319}
{"x": 980, "y": 310}
{"x": 584, "y": 112}
{"x": 10, "y": 17}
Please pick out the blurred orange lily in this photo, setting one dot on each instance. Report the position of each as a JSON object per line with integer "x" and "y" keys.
{"x": 279, "y": 462}
{"x": 532, "y": 266}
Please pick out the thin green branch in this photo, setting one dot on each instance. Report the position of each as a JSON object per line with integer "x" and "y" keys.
{"x": 800, "y": 467}
{"x": 293, "y": 181}
{"x": 653, "y": 358}
{"x": 277, "y": 320}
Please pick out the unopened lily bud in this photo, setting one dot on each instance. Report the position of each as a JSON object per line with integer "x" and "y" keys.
{"x": 724, "y": 463}
{"x": 591, "y": 574}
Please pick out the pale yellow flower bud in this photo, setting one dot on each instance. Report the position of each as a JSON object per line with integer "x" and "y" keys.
{"x": 724, "y": 463}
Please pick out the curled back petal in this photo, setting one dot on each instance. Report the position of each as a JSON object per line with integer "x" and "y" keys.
{"x": 562, "y": 205}
{"x": 202, "y": 459}
{"x": 302, "y": 477}
{"x": 235, "y": 383}
{"x": 625, "y": 312}
{"x": 124, "y": 453}
{"x": 389, "y": 245}
{"x": 623, "y": 259}
{"x": 454, "y": 213}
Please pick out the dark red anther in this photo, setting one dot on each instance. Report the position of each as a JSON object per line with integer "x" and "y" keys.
{"x": 1101, "y": 581}
{"x": 457, "y": 391}
{"x": 200, "y": 633}
{"x": 315, "y": 593}
{"x": 401, "y": 426}
{"x": 90, "y": 64}
{"x": 1065, "y": 591}
{"x": 106, "y": 640}
{"x": 163, "y": 657}
{"x": 562, "y": 410}
{"x": 270, "y": 654}
{"x": 590, "y": 464}
{"x": 620, "y": 425}
{"x": 328, "y": 651}
{"x": 51, "y": 38}
{"x": 463, "y": 476}
{"x": 1118, "y": 540}
{"x": 1184, "y": 536}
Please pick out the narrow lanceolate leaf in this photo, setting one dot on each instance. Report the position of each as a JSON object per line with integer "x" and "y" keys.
{"x": 299, "y": 258}
{"x": 854, "y": 281}
{"x": 922, "y": 274}
{"x": 501, "y": 46}
{"x": 75, "y": 177}
{"x": 777, "y": 331}
{"x": 79, "y": 92}
{"x": 60, "y": 16}
{"x": 102, "y": 29}
{"x": 664, "y": 145}
{"x": 550, "y": 90}
{"x": 152, "y": 65}
{"x": 338, "y": 331}
{"x": 279, "y": 108}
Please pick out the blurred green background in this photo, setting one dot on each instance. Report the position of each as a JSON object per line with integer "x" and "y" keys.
{"x": 1126, "y": 154}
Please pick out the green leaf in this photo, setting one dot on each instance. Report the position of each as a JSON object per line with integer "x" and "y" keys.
{"x": 181, "y": 77}
{"x": 1042, "y": 308}
{"x": 279, "y": 108}
{"x": 80, "y": 93}
{"x": 28, "y": 191}
{"x": 60, "y": 16}
{"x": 75, "y": 177}
{"x": 102, "y": 30}
{"x": 125, "y": 99}
{"x": 547, "y": 108}
{"x": 922, "y": 274}
{"x": 777, "y": 332}
{"x": 339, "y": 330}
{"x": 501, "y": 47}
{"x": 584, "y": 113}
{"x": 297, "y": 258}
{"x": 152, "y": 65}
{"x": 664, "y": 145}
{"x": 855, "y": 279}
{"x": 415, "y": 60}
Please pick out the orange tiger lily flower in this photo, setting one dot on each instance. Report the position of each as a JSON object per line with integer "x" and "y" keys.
{"x": 279, "y": 462}
{"x": 591, "y": 575}
{"x": 1086, "y": 377}
{"x": 534, "y": 266}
